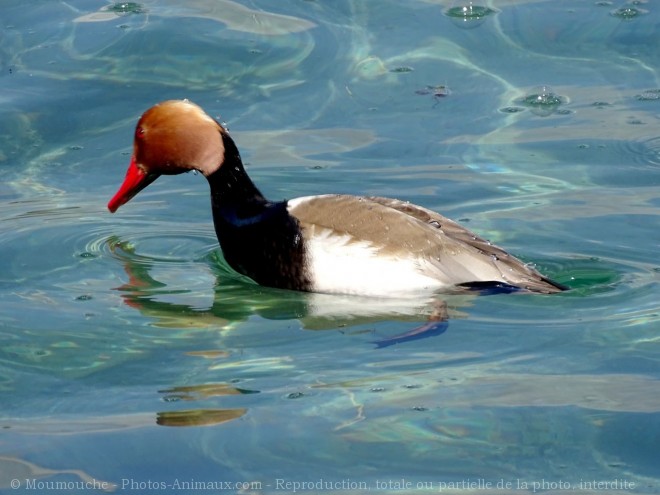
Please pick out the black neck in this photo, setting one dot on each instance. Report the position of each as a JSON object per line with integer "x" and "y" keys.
{"x": 230, "y": 185}
{"x": 258, "y": 238}
{"x": 235, "y": 200}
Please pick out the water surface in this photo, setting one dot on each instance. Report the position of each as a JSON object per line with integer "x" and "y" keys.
{"x": 131, "y": 356}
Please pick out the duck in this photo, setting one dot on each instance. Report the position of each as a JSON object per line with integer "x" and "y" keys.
{"x": 330, "y": 243}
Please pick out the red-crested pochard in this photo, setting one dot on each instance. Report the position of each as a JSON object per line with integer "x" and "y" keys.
{"x": 331, "y": 243}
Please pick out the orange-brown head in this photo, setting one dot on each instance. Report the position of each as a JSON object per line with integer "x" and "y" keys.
{"x": 171, "y": 137}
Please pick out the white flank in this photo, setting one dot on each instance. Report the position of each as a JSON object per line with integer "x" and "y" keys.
{"x": 340, "y": 265}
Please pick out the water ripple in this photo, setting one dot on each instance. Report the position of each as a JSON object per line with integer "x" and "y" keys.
{"x": 154, "y": 245}
{"x": 74, "y": 234}
{"x": 644, "y": 151}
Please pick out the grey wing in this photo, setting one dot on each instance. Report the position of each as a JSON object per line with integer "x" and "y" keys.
{"x": 462, "y": 250}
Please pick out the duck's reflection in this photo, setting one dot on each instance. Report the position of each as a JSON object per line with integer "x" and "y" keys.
{"x": 235, "y": 300}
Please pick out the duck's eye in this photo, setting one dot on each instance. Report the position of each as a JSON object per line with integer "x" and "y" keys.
{"x": 139, "y": 133}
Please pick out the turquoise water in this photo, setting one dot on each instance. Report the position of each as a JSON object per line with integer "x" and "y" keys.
{"x": 132, "y": 360}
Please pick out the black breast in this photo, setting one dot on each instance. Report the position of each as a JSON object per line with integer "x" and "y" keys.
{"x": 258, "y": 238}
{"x": 263, "y": 241}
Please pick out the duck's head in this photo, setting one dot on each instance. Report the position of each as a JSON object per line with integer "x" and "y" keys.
{"x": 171, "y": 137}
